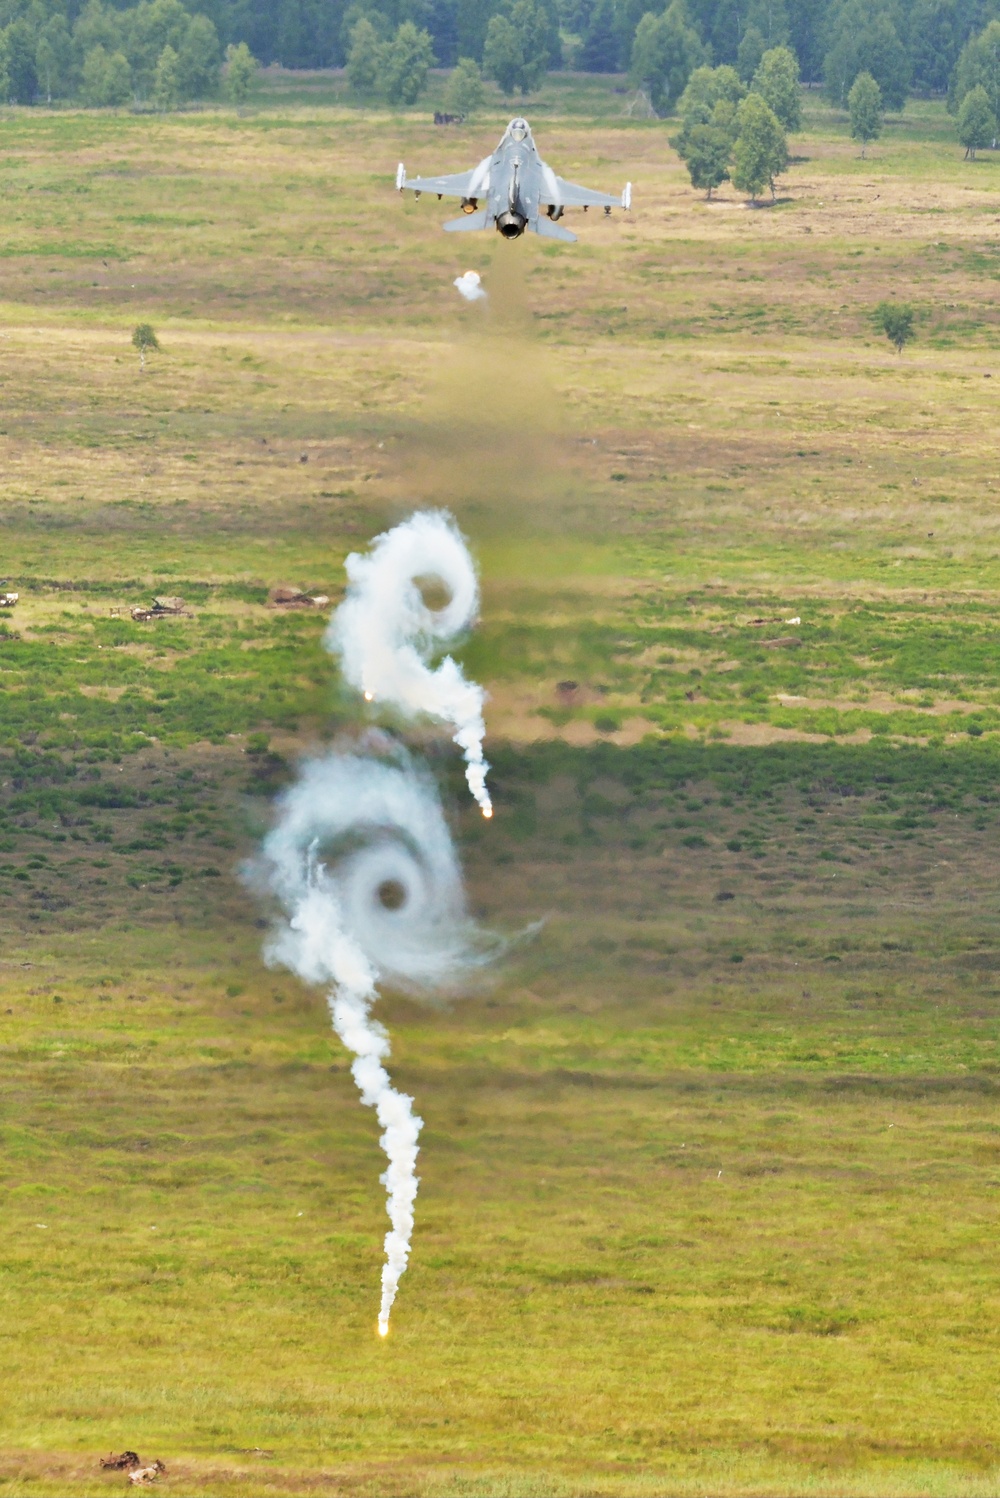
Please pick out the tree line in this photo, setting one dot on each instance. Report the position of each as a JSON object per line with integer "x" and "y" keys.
{"x": 158, "y": 51}
{"x": 110, "y": 51}
{"x": 908, "y": 46}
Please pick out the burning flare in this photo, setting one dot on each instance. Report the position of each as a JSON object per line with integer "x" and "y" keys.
{"x": 385, "y": 632}
{"x": 361, "y": 860}
{"x": 470, "y": 286}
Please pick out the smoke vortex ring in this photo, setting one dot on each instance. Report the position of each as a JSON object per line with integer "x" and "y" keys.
{"x": 385, "y": 632}
{"x": 362, "y": 861}
{"x": 347, "y": 830}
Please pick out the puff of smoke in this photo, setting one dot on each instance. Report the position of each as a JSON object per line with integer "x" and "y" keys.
{"x": 384, "y": 632}
{"x": 470, "y": 286}
{"x": 361, "y": 860}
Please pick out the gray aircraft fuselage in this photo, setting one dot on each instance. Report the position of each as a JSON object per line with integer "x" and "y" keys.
{"x": 516, "y": 179}
{"x": 513, "y": 190}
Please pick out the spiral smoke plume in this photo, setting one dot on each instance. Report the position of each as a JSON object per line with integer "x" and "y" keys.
{"x": 385, "y": 632}
{"x": 363, "y": 865}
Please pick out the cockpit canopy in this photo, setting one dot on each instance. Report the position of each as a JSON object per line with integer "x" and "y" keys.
{"x": 519, "y": 129}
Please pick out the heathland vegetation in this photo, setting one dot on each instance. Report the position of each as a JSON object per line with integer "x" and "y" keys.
{"x": 710, "y": 1174}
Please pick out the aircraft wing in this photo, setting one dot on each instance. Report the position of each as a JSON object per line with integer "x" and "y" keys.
{"x": 571, "y": 195}
{"x": 470, "y": 184}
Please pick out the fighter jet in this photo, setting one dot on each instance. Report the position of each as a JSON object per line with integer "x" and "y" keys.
{"x": 520, "y": 192}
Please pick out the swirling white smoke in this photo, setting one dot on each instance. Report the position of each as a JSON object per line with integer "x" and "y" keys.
{"x": 385, "y": 633}
{"x": 362, "y": 862}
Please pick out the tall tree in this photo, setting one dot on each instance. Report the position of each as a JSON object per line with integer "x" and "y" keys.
{"x": 760, "y": 153}
{"x": 707, "y": 110}
{"x": 503, "y": 59}
{"x": 895, "y": 320}
{"x": 601, "y": 40}
{"x": 705, "y": 89}
{"x": 977, "y": 124}
{"x": 864, "y": 103}
{"x": 364, "y": 59}
{"x": 241, "y": 65}
{"x": 145, "y": 340}
{"x": 198, "y": 59}
{"x": 404, "y": 64}
{"x": 106, "y": 80}
{"x": 442, "y": 23}
{"x": 465, "y": 93}
{"x": 17, "y": 61}
{"x": 54, "y": 58}
{"x": 934, "y": 33}
{"x": 665, "y": 53}
{"x": 474, "y": 17}
{"x": 147, "y": 29}
{"x": 866, "y": 43}
{"x": 978, "y": 65}
{"x": 533, "y": 22}
{"x": 722, "y": 26}
{"x": 706, "y": 151}
{"x": 166, "y": 86}
{"x": 807, "y": 27}
{"x": 516, "y": 52}
{"x": 750, "y": 53}
{"x": 97, "y": 25}
{"x": 777, "y": 82}
{"x": 770, "y": 17}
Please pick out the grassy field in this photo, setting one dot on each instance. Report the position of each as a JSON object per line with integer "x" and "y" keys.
{"x": 711, "y": 1172}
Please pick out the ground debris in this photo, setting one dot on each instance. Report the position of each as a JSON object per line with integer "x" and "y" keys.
{"x": 139, "y": 1473}
{"x": 292, "y": 598}
{"x": 8, "y": 600}
{"x": 158, "y": 608}
{"x": 143, "y": 1475}
{"x": 123, "y": 1462}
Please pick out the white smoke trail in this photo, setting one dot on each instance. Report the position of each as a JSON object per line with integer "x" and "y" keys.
{"x": 362, "y": 861}
{"x": 385, "y": 633}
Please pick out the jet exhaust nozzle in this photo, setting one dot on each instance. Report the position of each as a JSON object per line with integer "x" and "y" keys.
{"x": 511, "y": 225}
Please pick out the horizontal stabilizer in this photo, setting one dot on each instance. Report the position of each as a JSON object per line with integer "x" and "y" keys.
{"x": 467, "y": 221}
{"x": 549, "y": 229}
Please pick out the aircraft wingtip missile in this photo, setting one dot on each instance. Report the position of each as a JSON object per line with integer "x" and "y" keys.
{"x": 627, "y": 197}
{"x": 400, "y": 177}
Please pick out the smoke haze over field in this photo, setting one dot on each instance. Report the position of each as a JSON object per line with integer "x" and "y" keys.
{"x": 491, "y": 433}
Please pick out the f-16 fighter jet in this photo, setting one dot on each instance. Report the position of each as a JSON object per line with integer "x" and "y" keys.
{"x": 517, "y": 188}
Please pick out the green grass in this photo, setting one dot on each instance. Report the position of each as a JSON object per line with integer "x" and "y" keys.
{"x": 710, "y": 1168}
